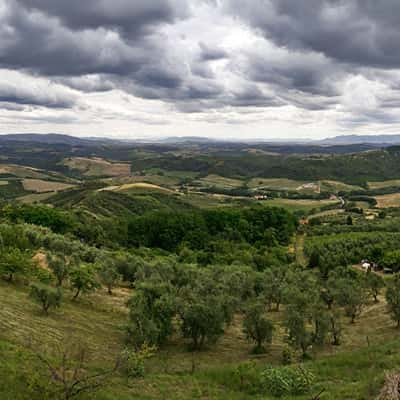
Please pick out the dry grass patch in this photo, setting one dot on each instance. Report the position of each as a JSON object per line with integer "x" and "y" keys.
{"x": 41, "y": 186}
{"x": 139, "y": 187}
{"x": 159, "y": 180}
{"x": 388, "y": 200}
{"x": 22, "y": 171}
{"x": 97, "y": 166}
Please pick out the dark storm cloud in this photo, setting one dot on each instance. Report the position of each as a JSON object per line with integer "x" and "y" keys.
{"x": 127, "y": 16}
{"x": 119, "y": 43}
{"x": 37, "y": 42}
{"x": 34, "y": 42}
{"x": 88, "y": 84}
{"x": 301, "y": 52}
{"x": 303, "y": 72}
{"x": 362, "y": 32}
{"x": 35, "y": 96}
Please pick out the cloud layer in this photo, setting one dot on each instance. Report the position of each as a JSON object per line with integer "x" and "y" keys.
{"x": 261, "y": 68}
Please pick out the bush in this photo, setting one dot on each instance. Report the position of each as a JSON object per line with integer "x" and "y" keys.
{"x": 288, "y": 355}
{"x": 286, "y": 381}
{"x": 133, "y": 361}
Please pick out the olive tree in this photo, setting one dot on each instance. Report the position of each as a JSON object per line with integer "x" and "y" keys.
{"x": 205, "y": 308}
{"x": 60, "y": 265}
{"x": 257, "y": 327}
{"x": 108, "y": 273}
{"x": 304, "y": 315}
{"x": 374, "y": 283}
{"x": 83, "y": 279}
{"x": 203, "y": 319}
{"x": 274, "y": 285}
{"x": 15, "y": 263}
{"x": 350, "y": 295}
{"x": 151, "y": 311}
{"x": 47, "y": 296}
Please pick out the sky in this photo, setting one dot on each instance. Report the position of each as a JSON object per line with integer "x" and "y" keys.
{"x": 243, "y": 69}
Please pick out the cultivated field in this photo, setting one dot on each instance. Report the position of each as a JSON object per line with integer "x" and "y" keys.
{"x": 22, "y": 171}
{"x": 42, "y": 186}
{"x": 97, "y": 166}
{"x": 388, "y": 200}
{"x": 276, "y": 184}
{"x": 221, "y": 182}
{"x": 299, "y": 205}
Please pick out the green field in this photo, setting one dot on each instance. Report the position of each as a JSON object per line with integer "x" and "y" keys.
{"x": 276, "y": 184}
{"x": 336, "y": 186}
{"x": 220, "y": 181}
{"x": 384, "y": 184}
{"x": 300, "y": 205}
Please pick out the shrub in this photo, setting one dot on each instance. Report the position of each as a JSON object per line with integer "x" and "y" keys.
{"x": 286, "y": 380}
{"x": 133, "y": 361}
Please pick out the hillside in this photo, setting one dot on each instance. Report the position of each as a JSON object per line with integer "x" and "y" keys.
{"x": 207, "y": 271}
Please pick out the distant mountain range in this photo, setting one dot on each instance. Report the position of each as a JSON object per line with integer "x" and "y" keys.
{"x": 345, "y": 140}
{"x": 375, "y": 140}
{"x": 358, "y": 139}
{"x": 55, "y": 138}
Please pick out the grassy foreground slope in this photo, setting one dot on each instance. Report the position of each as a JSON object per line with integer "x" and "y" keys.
{"x": 98, "y": 323}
